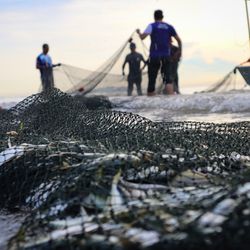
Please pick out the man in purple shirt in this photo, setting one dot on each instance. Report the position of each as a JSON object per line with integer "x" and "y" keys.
{"x": 160, "y": 52}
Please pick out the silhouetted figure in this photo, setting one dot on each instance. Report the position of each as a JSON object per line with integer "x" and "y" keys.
{"x": 134, "y": 60}
{"x": 44, "y": 64}
{"x": 160, "y": 52}
{"x": 175, "y": 58}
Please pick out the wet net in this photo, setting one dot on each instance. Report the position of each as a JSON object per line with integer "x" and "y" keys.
{"x": 107, "y": 79}
{"x": 102, "y": 179}
{"x": 237, "y": 79}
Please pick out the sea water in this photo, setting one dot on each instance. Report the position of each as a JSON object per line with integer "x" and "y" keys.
{"x": 231, "y": 106}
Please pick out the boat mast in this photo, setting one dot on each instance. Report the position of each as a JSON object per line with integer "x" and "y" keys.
{"x": 248, "y": 23}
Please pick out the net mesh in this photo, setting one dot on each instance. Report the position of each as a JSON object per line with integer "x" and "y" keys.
{"x": 230, "y": 82}
{"x": 107, "y": 79}
{"x": 102, "y": 179}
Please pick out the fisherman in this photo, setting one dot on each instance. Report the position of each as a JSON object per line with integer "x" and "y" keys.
{"x": 160, "y": 49}
{"x": 175, "y": 59}
{"x": 134, "y": 60}
{"x": 44, "y": 64}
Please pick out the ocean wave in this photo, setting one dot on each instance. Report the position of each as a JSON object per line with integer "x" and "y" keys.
{"x": 232, "y": 102}
{"x": 9, "y": 102}
{"x": 228, "y": 102}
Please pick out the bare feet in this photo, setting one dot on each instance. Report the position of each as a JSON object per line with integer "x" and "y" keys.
{"x": 169, "y": 89}
{"x": 151, "y": 93}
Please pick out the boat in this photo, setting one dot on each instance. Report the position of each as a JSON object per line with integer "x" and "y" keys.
{"x": 245, "y": 69}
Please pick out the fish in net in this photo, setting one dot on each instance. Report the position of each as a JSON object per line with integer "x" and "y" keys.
{"x": 103, "y": 179}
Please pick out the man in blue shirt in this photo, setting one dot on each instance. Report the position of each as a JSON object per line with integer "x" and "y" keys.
{"x": 134, "y": 60}
{"x": 160, "y": 52}
{"x": 44, "y": 64}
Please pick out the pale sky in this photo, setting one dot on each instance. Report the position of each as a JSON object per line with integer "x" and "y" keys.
{"x": 85, "y": 33}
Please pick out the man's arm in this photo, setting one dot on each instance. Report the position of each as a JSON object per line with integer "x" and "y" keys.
{"x": 38, "y": 64}
{"x": 177, "y": 38}
{"x": 56, "y": 65}
{"x": 147, "y": 32}
{"x": 141, "y": 35}
{"x": 145, "y": 63}
{"x": 123, "y": 66}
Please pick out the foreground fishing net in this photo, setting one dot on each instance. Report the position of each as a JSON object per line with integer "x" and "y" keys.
{"x": 100, "y": 179}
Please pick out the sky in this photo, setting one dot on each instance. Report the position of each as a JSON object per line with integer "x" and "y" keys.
{"x": 85, "y": 33}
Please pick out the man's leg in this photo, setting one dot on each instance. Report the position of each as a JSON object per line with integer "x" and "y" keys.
{"x": 177, "y": 83}
{"x": 138, "y": 86}
{"x": 168, "y": 76}
{"x": 43, "y": 83}
{"x": 153, "y": 68}
{"x": 52, "y": 84}
{"x": 130, "y": 87}
{"x": 44, "y": 80}
{"x": 169, "y": 88}
{"x": 175, "y": 76}
{"x": 47, "y": 79}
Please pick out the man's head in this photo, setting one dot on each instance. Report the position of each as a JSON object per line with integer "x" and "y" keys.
{"x": 132, "y": 47}
{"x": 45, "y": 48}
{"x": 158, "y": 15}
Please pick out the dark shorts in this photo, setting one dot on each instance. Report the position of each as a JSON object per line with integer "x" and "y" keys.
{"x": 167, "y": 71}
{"x": 135, "y": 78}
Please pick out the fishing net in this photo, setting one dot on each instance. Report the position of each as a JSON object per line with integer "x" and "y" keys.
{"x": 102, "y": 179}
{"x": 230, "y": 81}
{"x": 107, "y": 79}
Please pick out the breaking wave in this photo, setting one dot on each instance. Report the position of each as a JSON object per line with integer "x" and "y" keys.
{"x": 233, "y": 102}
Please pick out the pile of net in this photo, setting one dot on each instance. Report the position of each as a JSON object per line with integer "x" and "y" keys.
{"x": 103, "y": 179}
